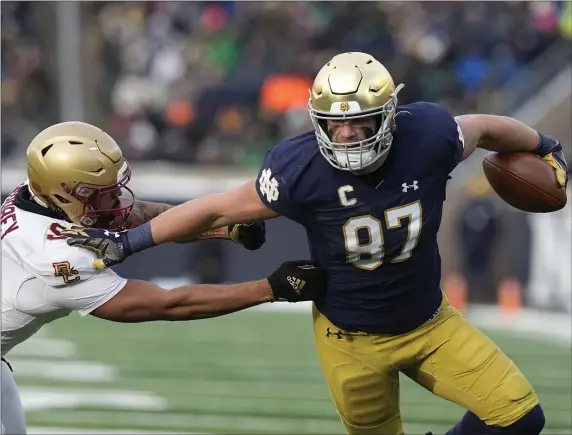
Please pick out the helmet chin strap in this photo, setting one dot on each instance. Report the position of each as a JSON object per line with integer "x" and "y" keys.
{"x": 39, "y": 201}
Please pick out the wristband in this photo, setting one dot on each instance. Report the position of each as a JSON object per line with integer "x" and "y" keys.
{"x": 547, "y": 145}
{"x": 140, "y": 238}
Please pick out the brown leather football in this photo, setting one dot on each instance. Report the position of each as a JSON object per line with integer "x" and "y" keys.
{"x": 524, "y": 181}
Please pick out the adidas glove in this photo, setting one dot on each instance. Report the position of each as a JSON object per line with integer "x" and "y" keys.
{"x": 296, "y": 281}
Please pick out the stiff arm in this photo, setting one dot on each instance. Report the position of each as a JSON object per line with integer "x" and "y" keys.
{"x": 144, "y": 211}
{"x": 201, "y": 215}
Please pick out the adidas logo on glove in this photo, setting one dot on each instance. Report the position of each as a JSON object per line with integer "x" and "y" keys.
{"x": 297, "y": 284}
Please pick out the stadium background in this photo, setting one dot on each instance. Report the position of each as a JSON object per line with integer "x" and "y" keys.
{"x": 195, "y": 93}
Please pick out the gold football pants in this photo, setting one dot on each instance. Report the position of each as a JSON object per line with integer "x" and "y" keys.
{"x": 447, "y": 355}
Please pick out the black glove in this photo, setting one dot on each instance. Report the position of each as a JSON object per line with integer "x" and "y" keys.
{"x": 296, "y": 281}
{"x": 251, "y": 235}
{"x": 112, "y": 247}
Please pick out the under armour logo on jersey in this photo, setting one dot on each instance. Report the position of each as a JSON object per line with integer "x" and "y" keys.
{"x": 296, "y": 283}
{"x": 413, "y": 186}
{"x": 268, "y": 185}
{"x": 107, "y": 233}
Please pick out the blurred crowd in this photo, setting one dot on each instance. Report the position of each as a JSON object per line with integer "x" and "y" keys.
{"x": 28, "y": 100}
{"x": 220, "y": 82}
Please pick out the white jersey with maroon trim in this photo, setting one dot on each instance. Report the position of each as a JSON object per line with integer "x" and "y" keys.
{"x": 43, "y": 278}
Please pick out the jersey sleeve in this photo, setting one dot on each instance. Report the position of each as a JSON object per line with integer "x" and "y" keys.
{"x": 71, "y": 281}
{"x": 276, "y": 183}
{"x": 449, "y": 143}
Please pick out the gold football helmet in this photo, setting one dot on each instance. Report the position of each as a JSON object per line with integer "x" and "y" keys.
{"x": 350, "y": 86}
{"x": 79, "y": 170}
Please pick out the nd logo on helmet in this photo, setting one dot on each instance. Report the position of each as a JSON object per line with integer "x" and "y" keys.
{"x": 344, "y": 106}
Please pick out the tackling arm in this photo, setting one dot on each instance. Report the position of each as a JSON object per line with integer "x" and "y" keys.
{"x": 143, "y": 301}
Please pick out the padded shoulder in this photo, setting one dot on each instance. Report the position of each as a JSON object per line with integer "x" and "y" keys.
{"x": 39, "y": 248}
{"x": 285, "y": 166}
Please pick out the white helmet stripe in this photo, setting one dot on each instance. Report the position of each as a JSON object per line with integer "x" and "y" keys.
{"x": 345, "y": 107}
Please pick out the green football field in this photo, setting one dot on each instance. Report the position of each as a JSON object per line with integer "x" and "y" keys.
{"x": 251, "y": 372}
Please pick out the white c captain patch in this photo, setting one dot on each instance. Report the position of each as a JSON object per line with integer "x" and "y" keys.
{"x": 343, "y": 195}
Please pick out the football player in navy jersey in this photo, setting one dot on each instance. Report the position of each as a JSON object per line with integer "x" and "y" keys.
{"x": 368, "y": 185}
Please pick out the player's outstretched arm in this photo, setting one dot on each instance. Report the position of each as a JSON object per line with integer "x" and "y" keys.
{"x": 209, "y": 212}
{"x": 507, "y": 135}
{"x": 143, "y": 301}
{"x": 180, "y": 223}
{"x": 144, "y": 211}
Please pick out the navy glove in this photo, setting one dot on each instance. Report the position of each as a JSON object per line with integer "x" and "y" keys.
{"x": 551, "y": 152}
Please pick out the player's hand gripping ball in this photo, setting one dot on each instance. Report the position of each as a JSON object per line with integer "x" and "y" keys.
{"x": 527, "y": 181}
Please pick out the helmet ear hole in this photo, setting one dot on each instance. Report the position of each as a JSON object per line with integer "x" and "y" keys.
{"x": 61, "y": 199}
{"x": 46, "y": 149}
{"x": 35, "y": 187}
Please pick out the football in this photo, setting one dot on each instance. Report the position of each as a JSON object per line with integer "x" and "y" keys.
{"x": 524, "y": 181}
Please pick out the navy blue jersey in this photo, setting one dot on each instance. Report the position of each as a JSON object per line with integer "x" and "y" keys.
{"x": 375, "y": 234}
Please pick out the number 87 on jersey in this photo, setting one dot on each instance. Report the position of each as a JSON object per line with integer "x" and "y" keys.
{"x": 364, "y": 235}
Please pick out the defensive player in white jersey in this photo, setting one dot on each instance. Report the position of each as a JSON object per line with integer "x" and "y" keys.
{"x": 76, "y": 174}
